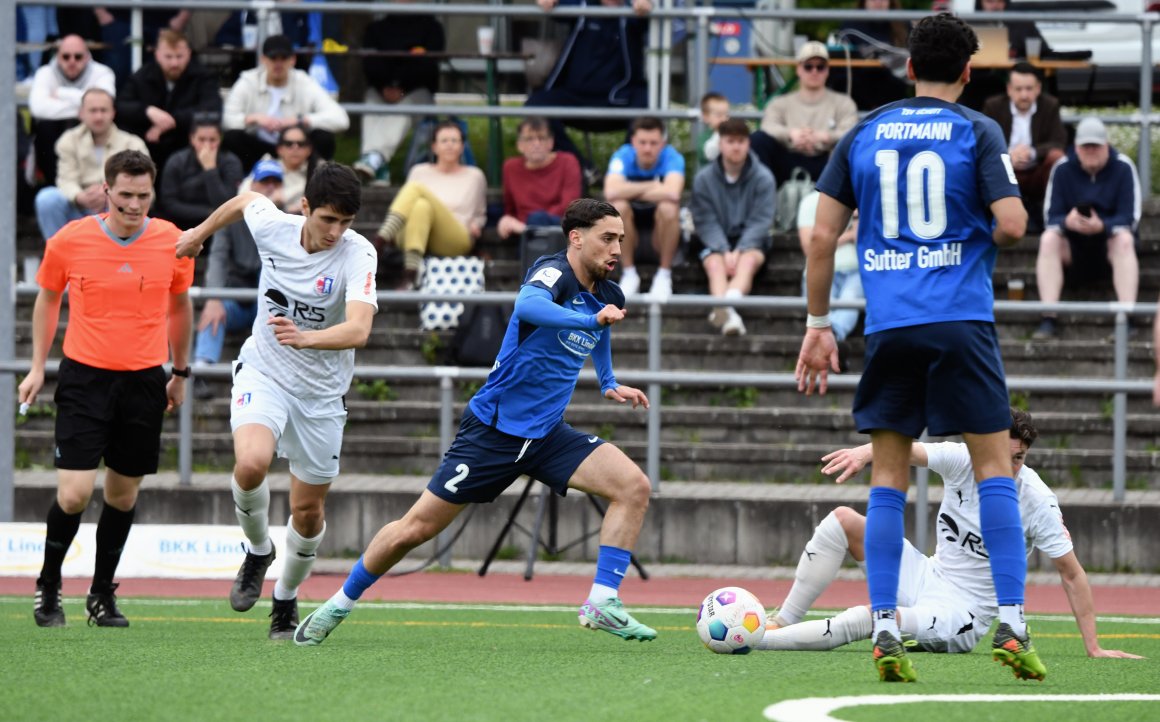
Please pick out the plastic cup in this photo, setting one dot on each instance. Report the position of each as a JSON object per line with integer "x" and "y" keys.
{"x": 1033, "y": 47}
{"x": 1015, "y": 289}
{"x": 485, "y": 34}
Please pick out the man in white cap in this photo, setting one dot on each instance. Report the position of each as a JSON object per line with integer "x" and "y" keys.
{"x": 1090, "y": 214}
{"x": 800, "y": 129}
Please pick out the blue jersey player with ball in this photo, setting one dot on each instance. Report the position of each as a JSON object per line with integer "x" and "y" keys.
{"x": 515, "y": 425}
{"x": 937, "y": 197}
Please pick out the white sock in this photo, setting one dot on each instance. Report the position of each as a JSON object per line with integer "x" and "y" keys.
{"x": 733, "y": 293}
{"x": 601, "y": 593}
{"x": 1012, "y": 614}
{"x": 852, "y": 625}
{"x": 299, "y": 561}
{"x": 661, "y": 273}
{"x": 342, "y": 601}
{"x": 817, "y": 567}
{"x": 253, "y": 511}
{"x": 628, "y": 272}
{"x": 886, "y": 620}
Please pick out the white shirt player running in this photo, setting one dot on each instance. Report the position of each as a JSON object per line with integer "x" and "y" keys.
{"x": 311, "y": 289}
{"x": 960, "y": 557}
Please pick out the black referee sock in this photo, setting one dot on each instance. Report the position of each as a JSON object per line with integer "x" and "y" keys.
{"x": 62, "y": 529}
{"x": 112, "y": 531}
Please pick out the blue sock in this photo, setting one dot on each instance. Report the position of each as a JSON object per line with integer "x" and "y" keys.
{"x": 359, "y": 580}
{"x": 611, "y": 564}
{"x": 1003, "y": 536}
{"x": 884, "y": 532}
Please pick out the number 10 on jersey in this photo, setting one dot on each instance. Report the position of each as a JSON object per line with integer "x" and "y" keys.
{"x": 926, "y": 201}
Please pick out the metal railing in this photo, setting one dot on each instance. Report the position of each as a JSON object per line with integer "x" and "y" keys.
{"x": 658, "y": 54}
{"x": 653, "y": 376}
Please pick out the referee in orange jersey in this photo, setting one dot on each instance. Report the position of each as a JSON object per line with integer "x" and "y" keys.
{"x": 129, "y": 309}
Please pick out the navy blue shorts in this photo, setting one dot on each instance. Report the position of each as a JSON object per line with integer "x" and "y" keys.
{"x": 946, "y": 378}
{"x": 483, "y": 461}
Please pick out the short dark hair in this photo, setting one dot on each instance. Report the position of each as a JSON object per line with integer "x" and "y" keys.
{"x": 1023, "y": 427}
{"x": 1026, "y": 68}
{"x": 733, "y": 128}
{"x": 334, "y": 185}
{"x": 131, "y": 163}
{"x": 710, "y": 97}
{"x": 205, "y": 119}
{"x": 97, "y": 91}
{"x": 533, "y": 122}
{"x": 647, "y": 122}
{"x": 584, "y": 213}
{"x": 443, "y": 125}
{"x": 940, "y": 46}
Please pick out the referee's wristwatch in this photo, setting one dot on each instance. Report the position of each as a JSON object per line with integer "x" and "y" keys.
{"x": 181, "y": 373}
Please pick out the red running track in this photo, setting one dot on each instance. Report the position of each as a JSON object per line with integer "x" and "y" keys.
{"x": 559, "y": 589}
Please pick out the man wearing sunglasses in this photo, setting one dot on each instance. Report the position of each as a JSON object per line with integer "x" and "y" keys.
{"x": 800, "y": 129}
{"x": 55, "y": 98}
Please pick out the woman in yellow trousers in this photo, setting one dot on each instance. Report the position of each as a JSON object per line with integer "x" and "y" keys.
{"x": 440, "y": 210}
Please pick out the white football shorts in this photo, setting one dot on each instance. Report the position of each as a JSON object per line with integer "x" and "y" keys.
{"x": 946, "y": 619}
{"x": 308, "y": 432}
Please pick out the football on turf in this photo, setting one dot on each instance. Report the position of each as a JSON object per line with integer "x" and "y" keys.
{"x": 731, "y": 621}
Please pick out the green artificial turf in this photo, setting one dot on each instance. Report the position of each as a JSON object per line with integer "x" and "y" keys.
{"x": 198, "y": 660}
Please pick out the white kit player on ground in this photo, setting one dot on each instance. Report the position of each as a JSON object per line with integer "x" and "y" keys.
{"x": 946, "y": 602}
{"x": 318, "y": 291}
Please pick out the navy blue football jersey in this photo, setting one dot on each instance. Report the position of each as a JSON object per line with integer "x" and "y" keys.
{"x": 923, "y": 174}
{"x": 535, "y": 373}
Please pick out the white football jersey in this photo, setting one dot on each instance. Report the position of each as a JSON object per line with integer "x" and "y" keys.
{"x": 960, "y": 556}
{"x": 311, "y": 289}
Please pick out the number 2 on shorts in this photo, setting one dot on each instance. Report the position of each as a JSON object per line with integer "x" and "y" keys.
{"x": 461, "y": 473}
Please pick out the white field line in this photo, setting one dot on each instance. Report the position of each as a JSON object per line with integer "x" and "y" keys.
{"x": 523, "y": 608}
{"x": 818, "y": 709}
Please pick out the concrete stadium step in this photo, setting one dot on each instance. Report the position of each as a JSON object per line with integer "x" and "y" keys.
{"x": 752, "y": 462}
{"x": 728, "y": 418}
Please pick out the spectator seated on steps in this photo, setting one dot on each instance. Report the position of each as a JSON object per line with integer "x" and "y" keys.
{"x": 274, "y": 96}
{"x": 296, "y": 156}
{"x": 601, "y": 65}
{"x": 396, "y": 81}
{"x": 1092, "y": 212}
{"x": 199, "y": 177}
{"x": 733, "y": 212}
{"x": 440, "y": 210}
{"x": 847, "y": 285}
{"x": 80, "y": 170}
{"x": 644, "y": 183}
{"x": 160, "y": 100}
{"x": 799, "y": 129}
{"x": 540, "y": 183}
{"x": 714, "y": 112}
{"x": 1029, "y": 119}
{"x": 54, "y": 99}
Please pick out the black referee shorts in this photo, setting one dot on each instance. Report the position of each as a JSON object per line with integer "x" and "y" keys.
{"x": 110, "y": 415}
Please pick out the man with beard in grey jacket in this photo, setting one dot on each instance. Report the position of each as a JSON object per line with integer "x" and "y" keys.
{"x": 734, "y": 200}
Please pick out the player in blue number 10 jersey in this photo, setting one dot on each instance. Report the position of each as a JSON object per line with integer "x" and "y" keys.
{"x": 937, "y": 196}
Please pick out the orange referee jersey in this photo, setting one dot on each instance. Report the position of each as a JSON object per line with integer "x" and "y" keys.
{"x": 118, "y": 291}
